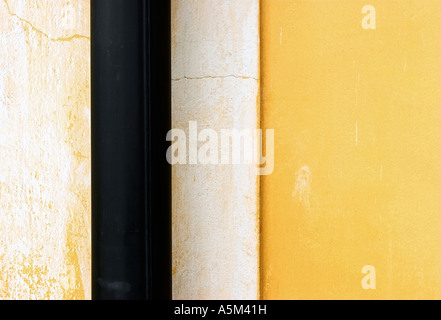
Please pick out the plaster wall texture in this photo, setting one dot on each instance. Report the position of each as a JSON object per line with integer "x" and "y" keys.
{"x": 44, "y": 149}
{"x": 215, "y": 63}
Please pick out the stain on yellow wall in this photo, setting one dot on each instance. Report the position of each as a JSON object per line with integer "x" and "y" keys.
{"x": 44, "y": 149}
{"x": 357, "y": 174}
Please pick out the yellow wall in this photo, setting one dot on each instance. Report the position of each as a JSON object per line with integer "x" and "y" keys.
{"x": 357, "y": 174}
{"x": 44, "y": 149}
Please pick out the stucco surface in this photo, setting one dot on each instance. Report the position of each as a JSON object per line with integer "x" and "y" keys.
{"x": 357, "y": 156}
{"x": 44, "y": 149}
{"x": 215, "y": 59}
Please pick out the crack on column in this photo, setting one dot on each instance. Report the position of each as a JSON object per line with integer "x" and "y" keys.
{"x": 61, "y": 39}
{"x": 214, "y": 77}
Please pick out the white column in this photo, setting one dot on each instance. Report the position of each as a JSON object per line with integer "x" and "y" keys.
{"x": 215, "y": 60}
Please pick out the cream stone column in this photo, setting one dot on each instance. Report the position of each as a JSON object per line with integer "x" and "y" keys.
{"x": 44, "y": 149}
{"x": 215, "y": 61}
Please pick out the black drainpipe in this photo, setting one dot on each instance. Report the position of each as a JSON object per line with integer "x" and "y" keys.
{"x": 131, "y": 179}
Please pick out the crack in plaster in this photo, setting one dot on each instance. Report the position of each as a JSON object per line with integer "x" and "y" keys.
{"x": 61, "y": 39}
{"x": 214, "y": 77}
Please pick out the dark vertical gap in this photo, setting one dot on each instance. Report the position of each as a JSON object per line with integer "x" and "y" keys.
{"x": 147, "y": 117}
{"x": 131, "y": 179}
{"x": 160, "y": 61}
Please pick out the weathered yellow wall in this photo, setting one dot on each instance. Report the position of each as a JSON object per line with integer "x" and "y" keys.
{"x": 215, "y": 59}
{"x": 44, "y": 149}
{"x": 357, "y": 174}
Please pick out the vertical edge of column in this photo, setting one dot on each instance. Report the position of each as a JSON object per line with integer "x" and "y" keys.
{"x": 258, "y": 127}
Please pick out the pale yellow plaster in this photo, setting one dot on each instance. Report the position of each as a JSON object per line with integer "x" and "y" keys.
{"x": 44, "y": 149}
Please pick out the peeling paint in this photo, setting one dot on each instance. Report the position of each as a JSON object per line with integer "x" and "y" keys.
{"x": 45, "y": 151}
{"x": 302, "y": 186}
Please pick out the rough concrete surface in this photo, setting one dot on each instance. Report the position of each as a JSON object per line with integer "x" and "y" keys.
{"x": 215, "y": 59}
{"x": 44, "y": 149}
